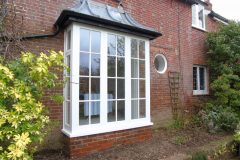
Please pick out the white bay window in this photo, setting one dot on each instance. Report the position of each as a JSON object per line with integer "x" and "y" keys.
{"x": 108, "y": 87}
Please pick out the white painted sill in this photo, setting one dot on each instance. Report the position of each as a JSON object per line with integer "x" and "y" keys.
{"x": 109, "y": 127}
{"x": 199, "y": 28}
{"x": 200, "y": 93}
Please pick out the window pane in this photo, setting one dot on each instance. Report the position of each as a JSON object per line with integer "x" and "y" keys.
{"x": 111, "y": 66}
{"x": 142, "y": 108}
{"x": 84, "y": 64}
{"x": 120, "y": 67}
{"x": 68, "y": 40}
{"x": 134, "y": 48}
{"x": 141, "y": 68}
{"x": 95, "y": 65}
{"x": 95, "y": 88}
{"x": 194, "y": 18}
{"x": 68, "y": 112}
{"x": 202, "y": 78}
{"x": 134, "y": 88}
{"x": 95, "y": 42}
{"x": 120, "y": 110}
{"x": 111, "y": 45}
{"x": 83, "y": 113}
{"x": 142, "y": 88}
{"x": 134, "y": 68}
{"x": 68, "y": 88}
{"x": 121, "y": 46}
{"x": 142, "y": 49}
{"x": 111, "y": 88}
{"x": 200, "y": 17}
{"x": 121, "y": 88}
{"x": 84, "y": 40}
{"x": 84, "y": 88}
{"x": 111, "y": 111}
{"x": 194, "y": 78}
{"x": 68, "y": 62}
{"x": 134, "y": 109}
{"x": 95, "y": 112}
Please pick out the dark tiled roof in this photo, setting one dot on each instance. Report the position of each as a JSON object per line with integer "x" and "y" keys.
{"x": 195, "y": 2}
{"x": 218, "y": 16}
{"x": 102, "y": 15}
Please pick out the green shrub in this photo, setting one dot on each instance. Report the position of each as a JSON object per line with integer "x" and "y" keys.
{"x": 22, "y": 116}
{"x": 199, "y": 156}
{"x": 220, "y": 118}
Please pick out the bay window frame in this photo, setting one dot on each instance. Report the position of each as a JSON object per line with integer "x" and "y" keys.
{"x": 75, "y": 130}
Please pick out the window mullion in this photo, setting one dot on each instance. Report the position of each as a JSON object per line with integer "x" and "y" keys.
{"x": 103, "y": 79}
{"x": 75, "y": 77}
{"x": 128, "y": 79}
{"x": 198, "y": 78}
{"x": 147, "y": 82}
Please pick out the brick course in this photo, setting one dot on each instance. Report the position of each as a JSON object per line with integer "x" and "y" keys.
{"x": 182, "y": 45}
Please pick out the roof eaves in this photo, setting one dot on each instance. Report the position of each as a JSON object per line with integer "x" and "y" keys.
{"x": 218, "y": 16}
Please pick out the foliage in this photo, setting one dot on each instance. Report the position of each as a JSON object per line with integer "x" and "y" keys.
{"x": 22, "y": 115}
{"x": 218, "y": 118}
{"x": 224, "y": 63}
{"x": 199, "y": 156}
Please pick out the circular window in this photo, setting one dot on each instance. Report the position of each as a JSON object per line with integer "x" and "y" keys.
{"x": 160, "y": 63}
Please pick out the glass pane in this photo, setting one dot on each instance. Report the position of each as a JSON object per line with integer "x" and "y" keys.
{"x": 95, "y": 88}
{"x": 111, "y": 44}
{"x": 83, "y": 113}
{"x": 141, "y": 68}
{"x": 134, "y": 48}
{"x": 68, "y": 112}
{"x": 68, "y": 62}
{"x": 84, "y": 88}
{"x": 200, "y": 17}
{"x": 134, "y": 68}
{"x": 134, "y": 109}
{"x": 68, "y": 40}
{"x": 120, "y": 67}
{"x": 111, "y": 111}
{"x": 159, "y": 63}
{"x": 95, "y": 65}
{"x": 142, "y": 93}
{"x": 142, "y": 108}
{"x": 202, "y": 78}
{"x": 194, "y": 78}
{"x": 95, "y": 112}
{"x": 121, "y": 46}
{"x": 142, "y": 49}
{"x": 95, "y": 42}
{"x": 134, "y": 88}
{"x": 120, "y": 110}
{"x": 111, "y": 88}
{"x": 111, "y": 66}
{"x": 84, "y": 64}
{"x": 84, "y": 40}
{"x": 68, "y": 88}
{"x": 121, "y": 88}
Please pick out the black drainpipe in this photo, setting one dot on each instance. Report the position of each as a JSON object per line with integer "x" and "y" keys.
{"x": 42, "y": 35}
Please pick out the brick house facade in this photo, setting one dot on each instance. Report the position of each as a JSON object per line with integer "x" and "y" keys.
{"x": 182, "y": 43}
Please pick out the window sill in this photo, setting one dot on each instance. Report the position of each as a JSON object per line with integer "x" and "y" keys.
{"x": 200, "y": 93}
{"x": 109, "y": 127}
{"x": 199, "y": 28}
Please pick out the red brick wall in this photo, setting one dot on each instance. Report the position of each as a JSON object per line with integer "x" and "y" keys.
{"x": 76, "y": 147}
{"x": 182, "y": 45}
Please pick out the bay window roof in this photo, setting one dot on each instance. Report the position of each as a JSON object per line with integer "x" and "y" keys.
{"x": 102, "y": 15}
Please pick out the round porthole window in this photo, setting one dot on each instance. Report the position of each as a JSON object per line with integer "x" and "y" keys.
{"x": 160, "y": 63}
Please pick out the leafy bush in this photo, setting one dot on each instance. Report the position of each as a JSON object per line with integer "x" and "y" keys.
{"x": 22, "y": 115}
{"x": 220, "y": 118}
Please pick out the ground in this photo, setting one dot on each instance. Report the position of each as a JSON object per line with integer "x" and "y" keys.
{"x": 166, "y": 144}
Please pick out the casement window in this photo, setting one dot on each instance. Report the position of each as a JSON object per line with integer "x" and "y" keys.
{"x": 108, "y": 85}
{"x": 198, "y": 16}
{"x": 200, "y": 80}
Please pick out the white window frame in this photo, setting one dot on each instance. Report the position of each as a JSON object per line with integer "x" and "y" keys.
{"x": 206, "y": 80}
{"x": 196, "y": 25}
{"x": 75, "y": 130}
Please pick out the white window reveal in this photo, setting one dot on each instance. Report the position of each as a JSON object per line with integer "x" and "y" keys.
{"x": 200, "y": 80}
{"x": 108, "y": 88}
{"x": 198, "y": 16}
{"x": 160, "y": 63}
